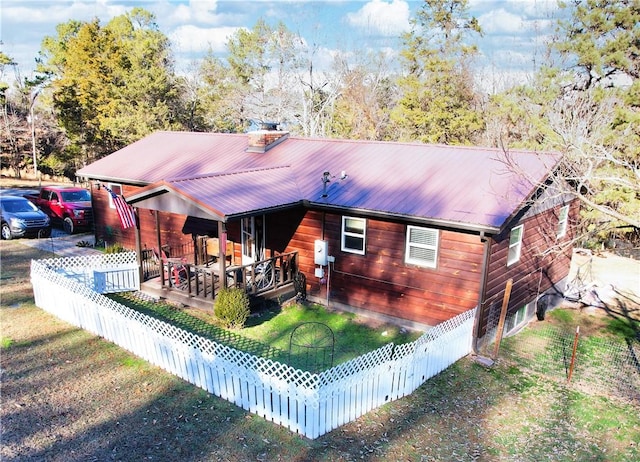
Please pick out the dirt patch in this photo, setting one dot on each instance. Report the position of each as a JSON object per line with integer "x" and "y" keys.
{"x": 608, "y": 285}
{"x": 606, "y": 269}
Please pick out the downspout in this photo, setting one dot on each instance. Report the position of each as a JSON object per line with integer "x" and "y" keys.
{"x": 481, "y": 293}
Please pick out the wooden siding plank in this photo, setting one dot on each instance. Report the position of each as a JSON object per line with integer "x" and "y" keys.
{"x": 537, "y": 268}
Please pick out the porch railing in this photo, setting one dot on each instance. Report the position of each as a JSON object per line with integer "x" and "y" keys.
{"x": 203, "y": 281}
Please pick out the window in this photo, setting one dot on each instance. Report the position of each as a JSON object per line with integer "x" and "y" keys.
{"x": 422, "y": 246}
{"x": 516, "y": 319}
{"x": 353, "y": 235}
{"x": 563, "y": 218}
{"x": 515, "y": 244}
{"x": 117, "y": 190}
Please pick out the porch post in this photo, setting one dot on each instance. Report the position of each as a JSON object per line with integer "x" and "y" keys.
{"x": 222, "y": 253}
{"x": 156, "y": 216}
{"x": 138, "y": 249}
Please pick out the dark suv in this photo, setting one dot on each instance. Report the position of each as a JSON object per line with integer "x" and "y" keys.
{"x": 21, "y": 218}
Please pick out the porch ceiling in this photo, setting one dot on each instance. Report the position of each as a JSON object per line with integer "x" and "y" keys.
{"x": 222, "y": 196}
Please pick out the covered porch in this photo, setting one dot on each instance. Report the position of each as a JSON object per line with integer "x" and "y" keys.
{"x": 197, "y": 285}
{"x": 194, "y": 273}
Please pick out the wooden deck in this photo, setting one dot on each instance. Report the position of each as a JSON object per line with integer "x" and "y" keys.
{"x": 198, "y": 285}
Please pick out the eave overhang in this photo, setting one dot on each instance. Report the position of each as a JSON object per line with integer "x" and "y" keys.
{"x": 432, "y": 222}
{"x": 165, "y": 198}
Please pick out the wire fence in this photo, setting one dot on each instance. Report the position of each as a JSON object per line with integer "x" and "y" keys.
{"x": 591, "y": 364}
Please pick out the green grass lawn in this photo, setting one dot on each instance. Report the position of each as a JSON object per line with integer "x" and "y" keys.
{"x": 268, "y": 332}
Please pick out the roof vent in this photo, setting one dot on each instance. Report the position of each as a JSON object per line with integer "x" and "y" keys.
{"x": 266, "y": 138}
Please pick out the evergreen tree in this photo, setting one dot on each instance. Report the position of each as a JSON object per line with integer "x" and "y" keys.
{"x": 438, "y": 99}
{"x": 264, "y": 60}
{"x": 111, "y": 84}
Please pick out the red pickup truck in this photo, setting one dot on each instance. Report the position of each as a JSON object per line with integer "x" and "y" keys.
{"x": 69, "y": 206}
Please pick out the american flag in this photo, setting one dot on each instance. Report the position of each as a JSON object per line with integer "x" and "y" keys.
{"x": 125, "y": 212}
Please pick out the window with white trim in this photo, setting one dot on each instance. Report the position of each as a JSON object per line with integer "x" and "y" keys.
{"x": 422, "y": 246}
{"x": 354, "y": 232}
{"x": 515, "y": 244}
{"x": 563, "y": 219}
{"x": 117, "y": 190}
{"x": 516, "y": 319}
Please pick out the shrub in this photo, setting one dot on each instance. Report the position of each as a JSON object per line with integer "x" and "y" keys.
{"x": 232, "y": 307}
{"x": 115, "y": 248}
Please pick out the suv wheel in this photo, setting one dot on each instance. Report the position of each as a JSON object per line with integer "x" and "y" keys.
{"x": 44, "y": 232}
{"x": 67, "y": 225}
{"x": 6, "y": 231}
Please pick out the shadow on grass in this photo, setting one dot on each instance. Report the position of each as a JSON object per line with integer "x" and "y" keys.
{"x": 352, "y": 339}
{"x": 175, "y": 422}
{"x": 178, "y": 318}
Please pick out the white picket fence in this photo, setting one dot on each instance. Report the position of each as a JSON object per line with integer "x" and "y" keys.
{"x": 306, "y": 403}
{"x": 105, "y": 273}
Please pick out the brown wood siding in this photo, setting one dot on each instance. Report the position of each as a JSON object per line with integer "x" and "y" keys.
{"x": 109, "y": 229}
{"x": 381, "y": 281}
{"x": 544, "y": 261}
{"x": 107, "y": 223}
{"x": 309, "y": 229}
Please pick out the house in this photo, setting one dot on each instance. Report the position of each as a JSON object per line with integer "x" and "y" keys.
{"x": 412, "y": 232}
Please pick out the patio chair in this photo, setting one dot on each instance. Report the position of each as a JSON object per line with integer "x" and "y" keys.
{"x": 175, "y": 272}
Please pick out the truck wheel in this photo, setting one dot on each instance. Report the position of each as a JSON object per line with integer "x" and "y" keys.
{"x": 44, "y": 232}
{"x": 6, "y": 232}
{"x": 67, "y": 225}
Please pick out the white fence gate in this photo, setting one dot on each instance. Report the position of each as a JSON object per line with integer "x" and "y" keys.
{"x": 306, "y": 403}
{"x": 105, "y": 273}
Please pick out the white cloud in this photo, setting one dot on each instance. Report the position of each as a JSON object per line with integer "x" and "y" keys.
{"x": 193, "y": 39}
{"x": 59, "y": 12}
{"x": 381, "y": 17}
{"x": 525, "y": 8}
{"x": 195, "y": 26}
{"x": 201, "y": 11}
{"x": 533, "y": 8}
{"x": 501, "y": 22}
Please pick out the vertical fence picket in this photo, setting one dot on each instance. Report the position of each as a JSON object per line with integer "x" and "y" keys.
{"x": 283, "y": 412}
{"x": 259, "y": 397}
{"x": 300, "y": 408}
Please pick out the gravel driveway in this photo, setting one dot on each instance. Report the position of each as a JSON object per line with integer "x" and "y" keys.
{"x": 63, "y": 244}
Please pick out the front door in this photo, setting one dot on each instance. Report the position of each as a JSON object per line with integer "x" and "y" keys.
{"x": 253, "y": 233}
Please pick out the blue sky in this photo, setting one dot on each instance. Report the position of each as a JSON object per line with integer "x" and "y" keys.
{"x": 514, "y": 29}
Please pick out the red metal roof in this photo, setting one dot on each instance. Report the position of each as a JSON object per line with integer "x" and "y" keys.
{"x": 462, "y": 186}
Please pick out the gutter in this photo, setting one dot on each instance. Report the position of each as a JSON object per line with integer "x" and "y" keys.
{"x": 110, "y": 179}
{"x": 450, "y": 224}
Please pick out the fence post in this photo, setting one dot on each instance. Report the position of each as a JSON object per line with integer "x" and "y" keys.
{"x": 573, "y": 355}
{"x": 503, "y": 315}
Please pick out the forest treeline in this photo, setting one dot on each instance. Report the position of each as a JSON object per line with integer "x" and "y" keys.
{"x": 100, "y": 87}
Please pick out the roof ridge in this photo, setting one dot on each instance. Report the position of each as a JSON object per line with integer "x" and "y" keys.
{"x": 229, "y": 173}
{"x": 417, "y": 143}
